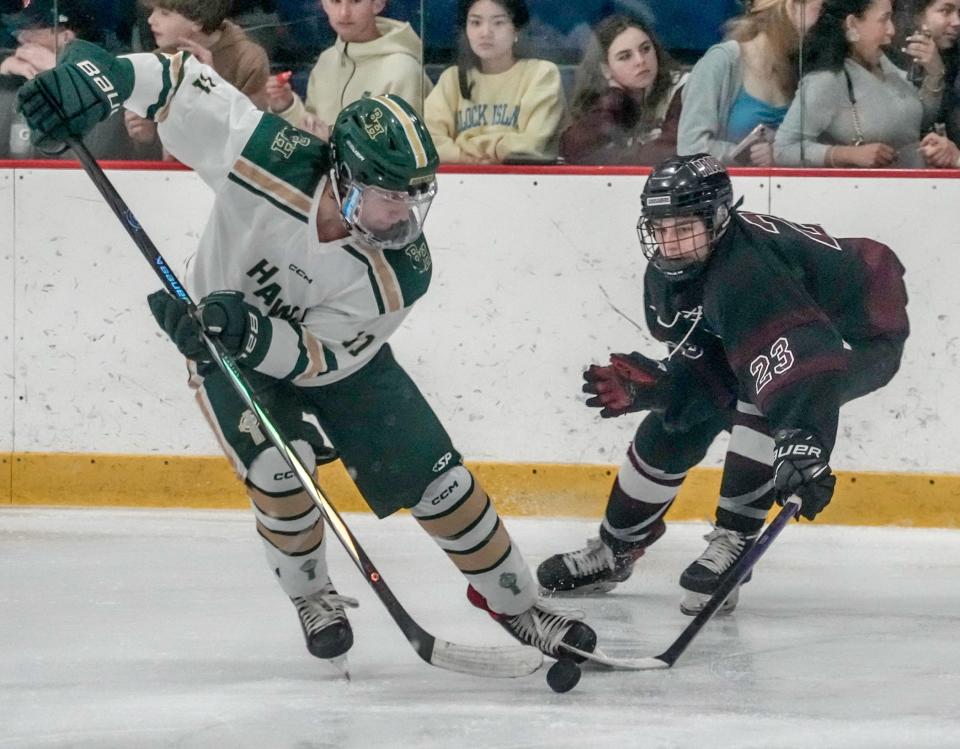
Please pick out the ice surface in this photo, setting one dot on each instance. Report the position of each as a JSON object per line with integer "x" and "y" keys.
{"x": 126, "y": 628}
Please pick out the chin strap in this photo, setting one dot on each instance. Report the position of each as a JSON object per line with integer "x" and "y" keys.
{"x": 335, "y": 188}
{"x": 725, "y": 222}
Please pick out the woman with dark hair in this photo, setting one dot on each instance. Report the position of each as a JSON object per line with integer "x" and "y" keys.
{"x": 491, "y": 104}
{"x": 941, "y": 20}
{"x": 747, "y": 81}
{"x": 625, "y": 104}
{"x": 856, "y": 108}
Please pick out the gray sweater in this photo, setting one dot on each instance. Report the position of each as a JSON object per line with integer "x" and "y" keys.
{"x": 890, "y": 111}
{"x": 707, "y": 98}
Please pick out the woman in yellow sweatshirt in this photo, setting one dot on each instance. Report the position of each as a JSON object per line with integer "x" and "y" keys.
{"x": 491, "y": 104}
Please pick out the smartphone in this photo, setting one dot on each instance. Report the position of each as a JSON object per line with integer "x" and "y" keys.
{"x": 916, "y": 72}
{"x": 760, "y": 133}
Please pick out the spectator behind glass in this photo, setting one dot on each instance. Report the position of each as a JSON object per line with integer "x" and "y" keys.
{"x": 625, "y": 105}
{"x": 746, "y": 81}
{"x": 43, "y": 29}
{"x": 856, "y": 108}
{"x": 491, "y": 105}
{"x": 940, "y": 19}
{"x": 200, "y": 27}
{"x": 372, "y": 55}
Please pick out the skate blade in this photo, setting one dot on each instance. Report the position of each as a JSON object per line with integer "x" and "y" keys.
{"x": 693, "y": 603}
{"x": 585, "y": 590}
{"x": 341, "y": 664}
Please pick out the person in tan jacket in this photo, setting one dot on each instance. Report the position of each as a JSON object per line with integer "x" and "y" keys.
{"x": 200, "y": 27}
{"x": 491, "y": 105}
{"x": 372, "y": 56}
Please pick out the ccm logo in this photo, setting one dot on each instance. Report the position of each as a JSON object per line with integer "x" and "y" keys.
{"x": 444, "y": 494}
{"x": 809, "y": 451}
{"x": 102, "y": 82}
{"x": 301, "y": 273}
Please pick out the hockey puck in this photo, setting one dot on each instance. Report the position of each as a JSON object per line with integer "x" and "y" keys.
{"x": 563, "y": 675}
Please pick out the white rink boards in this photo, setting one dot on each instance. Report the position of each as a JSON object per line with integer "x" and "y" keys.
{"x": 7, "y": 331}
{"x": 141, "y": 629}
{"x": 526, "y": 268}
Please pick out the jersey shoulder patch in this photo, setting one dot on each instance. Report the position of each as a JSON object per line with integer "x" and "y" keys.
{"x": 398, "y": 278}
{"x": 283, "y": 165}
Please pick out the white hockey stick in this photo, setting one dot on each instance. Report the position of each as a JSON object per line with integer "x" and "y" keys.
{"x": 668, "y": 657}
{"x": 508, "y": 661}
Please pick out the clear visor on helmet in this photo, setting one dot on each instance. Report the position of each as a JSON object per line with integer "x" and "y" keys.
{"x": 388, "y": 219}
{"x": 675, "y": 243}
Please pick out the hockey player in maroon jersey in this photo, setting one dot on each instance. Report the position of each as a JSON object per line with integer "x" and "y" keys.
{"x": 770, "y": 327}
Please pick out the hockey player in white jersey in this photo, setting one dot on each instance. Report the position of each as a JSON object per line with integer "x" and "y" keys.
{"x": 312, "y": 257}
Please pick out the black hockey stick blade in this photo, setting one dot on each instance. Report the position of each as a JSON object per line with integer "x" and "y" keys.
{"x": 508, "y": 661}
{"x": 668, "y": 657}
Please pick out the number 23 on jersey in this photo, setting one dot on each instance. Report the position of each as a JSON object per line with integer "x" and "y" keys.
{"x": 764, "y": 368}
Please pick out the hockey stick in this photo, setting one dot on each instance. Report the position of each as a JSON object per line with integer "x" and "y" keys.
{"x": 731, "y": 580}
{"x": 503, "y": 662}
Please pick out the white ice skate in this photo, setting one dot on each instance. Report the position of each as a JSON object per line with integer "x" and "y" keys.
{"x": 549, "y": 630}
{"x": 702, "y": 577}
{"x": 325, "y": 626}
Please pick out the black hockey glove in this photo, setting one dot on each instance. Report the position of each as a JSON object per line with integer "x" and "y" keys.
{"x": 86, "y": 87}
{"x": 801, "y": 467}
{"x": 631, "y": 382}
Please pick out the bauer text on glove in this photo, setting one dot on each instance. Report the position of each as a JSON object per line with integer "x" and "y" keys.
{"x": 86, "y": 87}
{"x": 801, "y": 466}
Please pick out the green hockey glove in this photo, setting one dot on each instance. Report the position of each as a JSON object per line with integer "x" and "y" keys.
{"x": 173, "y": 316}
{"x": 86, "y": 87}
{"x": 243, "y": 330}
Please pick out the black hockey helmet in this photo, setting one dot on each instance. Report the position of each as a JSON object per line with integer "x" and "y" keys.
{"x": 681, "y": 187}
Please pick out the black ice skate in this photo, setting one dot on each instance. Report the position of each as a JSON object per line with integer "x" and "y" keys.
{"x": 703, "y": 576}
{"x": 544, "y": 628}
{"x": 594, "y": 569}
{"x": 324, "y": 622}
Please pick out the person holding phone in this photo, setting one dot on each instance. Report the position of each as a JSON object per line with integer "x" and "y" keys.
{"x": 748, "y": 80}
{"x": 858, "y": 109}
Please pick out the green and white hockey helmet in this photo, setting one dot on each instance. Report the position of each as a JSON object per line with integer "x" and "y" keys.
{"x": 384, "y": 170}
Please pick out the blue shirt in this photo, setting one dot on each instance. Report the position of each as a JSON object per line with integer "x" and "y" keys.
{"x": 747, "y": 112}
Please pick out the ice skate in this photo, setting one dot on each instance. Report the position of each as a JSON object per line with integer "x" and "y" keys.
{"x": 703, "y": 576}
{"x": 594, "y": 569}
{"x": 326, "y": 630}
{"x": 543, "y": 627}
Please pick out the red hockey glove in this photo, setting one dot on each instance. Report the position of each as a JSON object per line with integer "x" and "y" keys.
{"x": 801, "y": 467}
{"x": 631, "y": 382}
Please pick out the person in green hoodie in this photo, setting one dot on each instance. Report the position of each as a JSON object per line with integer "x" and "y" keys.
{"x": 372, "y": 56}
